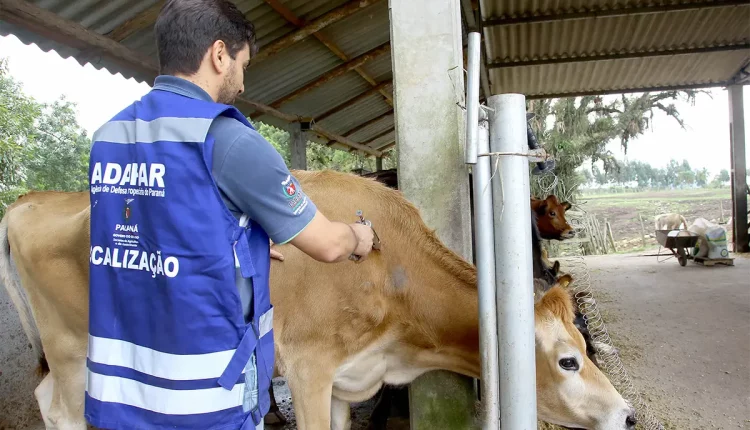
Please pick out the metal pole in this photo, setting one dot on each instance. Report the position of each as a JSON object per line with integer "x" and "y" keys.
{"x": 472, "y": 96}
{"x": 485, "y": 249}
{"x": 514, "y": 277}
{"x": 477, "y": 140}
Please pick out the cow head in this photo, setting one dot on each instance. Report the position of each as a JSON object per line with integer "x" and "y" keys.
{"x": 551, "y": 218}
{"x": 571, "y": 390}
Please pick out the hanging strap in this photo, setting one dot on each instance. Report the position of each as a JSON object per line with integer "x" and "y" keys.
{"x": 243, "y": 261}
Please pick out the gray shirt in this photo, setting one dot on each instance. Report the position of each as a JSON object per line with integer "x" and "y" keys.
{"x": 251, "y": 176}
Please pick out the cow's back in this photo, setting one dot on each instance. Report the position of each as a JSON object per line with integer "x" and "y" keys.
{"x": 48, "y": 234}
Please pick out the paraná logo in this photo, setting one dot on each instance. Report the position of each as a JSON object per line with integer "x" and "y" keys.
{"x": 290, "y": 190}
{"x": 127, "y": 210}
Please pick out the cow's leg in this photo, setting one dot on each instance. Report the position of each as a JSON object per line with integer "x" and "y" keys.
{"x": 43, "y": 394}
{"x": 311, "y": 390}
{"x": 340, "y": 415}
{"x": 68, "y": 368}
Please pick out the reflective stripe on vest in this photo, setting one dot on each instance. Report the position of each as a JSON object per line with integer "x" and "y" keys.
{"x": 168, "y": 344}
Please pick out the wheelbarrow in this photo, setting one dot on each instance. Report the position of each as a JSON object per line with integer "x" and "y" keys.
{"x": 677, "y": 241}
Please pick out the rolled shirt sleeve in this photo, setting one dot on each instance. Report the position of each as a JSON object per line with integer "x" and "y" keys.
{"x": 254, "y": 178}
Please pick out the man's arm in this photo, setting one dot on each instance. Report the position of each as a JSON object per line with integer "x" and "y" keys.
{"x": 254, "y": 177}
{"x": 329, "y": 241}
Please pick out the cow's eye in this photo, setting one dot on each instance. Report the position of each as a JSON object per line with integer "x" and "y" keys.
{"x": 569, "y": 363}
{"x": 552, "y": 213}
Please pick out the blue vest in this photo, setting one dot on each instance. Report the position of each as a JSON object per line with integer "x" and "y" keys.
{"x": 168, "y": 344}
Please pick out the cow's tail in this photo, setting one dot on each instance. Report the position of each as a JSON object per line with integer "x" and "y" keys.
{"x": 9, "y": 277}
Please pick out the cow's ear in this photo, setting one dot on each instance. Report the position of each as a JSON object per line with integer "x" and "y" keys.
{"x": 540, "y": 207}
{"x": 564, "y": 280}
{"x": 567, "y": 205}
{"x": 556, "y": 268}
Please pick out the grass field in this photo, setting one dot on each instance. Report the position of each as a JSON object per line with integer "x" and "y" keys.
{"x": 622, "y": 211}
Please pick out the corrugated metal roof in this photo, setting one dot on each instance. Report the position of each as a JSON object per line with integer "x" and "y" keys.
{"x": 567, "y": 29}
{"x": 275, "y": 76}
{"x": 614, "y": 75}
{"x": 555, "y": 34}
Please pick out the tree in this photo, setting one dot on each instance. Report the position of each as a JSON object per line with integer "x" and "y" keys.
{"x": 581, "y": 128}
{"x": 17, "y": 116}
{"x": 720, "y": 179}
{"x": 701, "y": 177}
{"x": 42, "y": 147}
{"x": 724, "y": 176}
{"x": 58, "y": 157}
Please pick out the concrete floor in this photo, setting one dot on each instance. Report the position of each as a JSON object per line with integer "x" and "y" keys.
{"x": 683, "y": 334}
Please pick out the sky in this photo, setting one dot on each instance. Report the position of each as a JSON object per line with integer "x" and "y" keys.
{"x": 100, "y": 94}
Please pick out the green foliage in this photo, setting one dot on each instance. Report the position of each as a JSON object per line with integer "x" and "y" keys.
{"x": 720, "y": 179}
{"x": 18, "y": 114}
{"x": 42, "y": 147}
{"x": 277, "y": 137}
{"x": 675, "y": 175}
{"x": 576, "y": 130}
{"x": 321, "y": 156}
{"x": 58, "y": 158}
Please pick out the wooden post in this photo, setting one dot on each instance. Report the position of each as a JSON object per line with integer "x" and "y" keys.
{"x": 610, "y": 236}
{"x": 739, "y": 169}
{"x": 721, "y": 205}
{"x": 378, "y": 164}
{"x": 643, "y": 231}
{"x": 426, "y": 52}
{"x": 297, "y": 147}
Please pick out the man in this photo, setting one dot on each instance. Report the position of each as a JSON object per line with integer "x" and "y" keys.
{"x": 180, "y": 321}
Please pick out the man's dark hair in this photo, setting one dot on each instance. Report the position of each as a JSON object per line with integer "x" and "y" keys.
{"x": 185, "y": 29}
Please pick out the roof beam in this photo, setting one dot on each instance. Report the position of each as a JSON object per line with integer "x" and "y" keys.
{"x": 655, "y": 89}
{"x": 292, "y": 18}
{"x": 385, "y": 148}
{"x": 742, "y": 77}
{"x": 143, "y": 20}
{"x": 336, "y": 72}
{"x": 368, "y": 123}
{"x": 345, "y": 140}
{"x": 51, "y": 26}
{"x": 601, "y": 13}
{"x": 376, "y": 137}
{"x": 352, "y": 101}
{"x": 618, "y": 56}
{"x": 314, "y": 26}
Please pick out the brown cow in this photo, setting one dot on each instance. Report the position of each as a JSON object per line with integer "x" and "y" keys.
{"x": 547, "y": 222}
{"x": 341, "y": 330}
{"x": 551, "y": 218}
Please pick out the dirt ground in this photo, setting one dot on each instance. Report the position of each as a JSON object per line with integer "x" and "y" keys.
{"x": 683, "y": 335}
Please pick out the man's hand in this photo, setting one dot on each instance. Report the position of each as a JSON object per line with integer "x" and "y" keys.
{"x": 277, "y": 255}
{"x": 365, "y": 236}
{"x": 274, "y": 253}
{"x": 333, "y": 241}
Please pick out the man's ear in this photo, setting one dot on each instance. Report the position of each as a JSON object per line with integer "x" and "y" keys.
{"x": 219, "y": 56}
